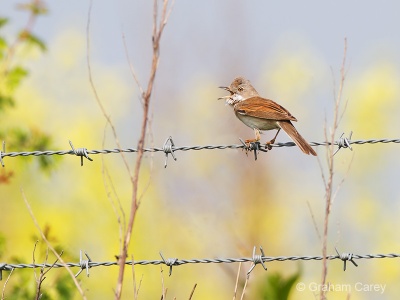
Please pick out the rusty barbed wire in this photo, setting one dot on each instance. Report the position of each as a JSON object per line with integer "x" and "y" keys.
{"x": 172, "y": 262}
{"x": 170, "y": 148}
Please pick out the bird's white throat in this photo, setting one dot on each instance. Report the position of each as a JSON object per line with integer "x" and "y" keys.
{"x": 235, "y": 98}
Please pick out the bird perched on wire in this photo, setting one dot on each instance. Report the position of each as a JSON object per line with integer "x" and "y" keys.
{"x": 262, "y": 114}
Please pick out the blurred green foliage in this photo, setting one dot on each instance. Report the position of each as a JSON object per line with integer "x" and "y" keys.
{"x": 22, "y": 284}
{"x": 12, "y": 74}
{"x": 277, "y": 287}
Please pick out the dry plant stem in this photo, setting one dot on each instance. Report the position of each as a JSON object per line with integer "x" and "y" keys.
{"x": 43, "y": 272}
{"x": 329, "y": 193}
{"x": 244, "y": 287}
{"x": 118, "y": 211}
{"x": 132, "y": 69}
{"x": 96, "y": 95}
{"x": 51, "y": 247}
{"x": 122, "y": 228}
{"x": 133, "y": 278}
{"x": 3, "y": 293}
{"x": 133, "y": 73}
{"x": 41, "y": 277}
{"x": 151, "y": 164}
{"x": 27, "y": 29}
{"x": 136, "y": 287}
{"x": 237, "y": 281}
{"x": 157, "y": 33}
{"x": 192, "y": 292}
{"x": 314, "y": 222}
{"x": 163, "y": 289}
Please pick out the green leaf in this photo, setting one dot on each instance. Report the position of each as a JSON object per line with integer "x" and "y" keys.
{"x": 36, "y": 7}
{"x": 3, "y": 21}
{"x": 14, "y": 77}
{"x": 2, "y": 244}
{"x": 65, "y": 288}
{"x": 3, "y": 48}
{"x": 32, "y": 40}
{"x": 6, "y": 101}
{"x": 33, "y": 140}
{"x": 277, "y": 287}
{"x": 42, "y": 142}
{"x": 3, "y": 43}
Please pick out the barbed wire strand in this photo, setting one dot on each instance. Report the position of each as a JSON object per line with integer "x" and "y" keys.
{"x": 170, "y": 262}
{"x": 170, "y": 148}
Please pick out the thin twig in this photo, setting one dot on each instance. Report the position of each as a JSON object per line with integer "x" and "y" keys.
{"x": 51, "y": 247}
{"x": 43, "y": 271}
{"x": 192, "y": 292}
{"x": 131, "y": 67}
{"x": 96, "y": 95}
{"x": 119, "y": 212}
{"x": 123, "y": 246}
{"x": 41, "y": 277}
{"x": 346, "y": 174}
{"x": 136, "y": 287}
{"x": 3, "y": 293}
{"x": 27, "y": 29}
{"x": 244, "y": 287}
{"x": 329, "y": 193}
{"x": 157, "y": 33}
{"x": 151, "y": 160}
{"x": 314, "y": 222}
{"x": 33, "y": 259}
{"x": 237, "y": 282}
{"x": 163, "y": 290}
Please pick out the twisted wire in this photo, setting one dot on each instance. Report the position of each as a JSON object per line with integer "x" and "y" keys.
{"x": 178, "y": 262}
{"x": 188, "y": 148}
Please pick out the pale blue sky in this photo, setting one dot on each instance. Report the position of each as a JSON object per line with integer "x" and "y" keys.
{"x": 217, "y": 37}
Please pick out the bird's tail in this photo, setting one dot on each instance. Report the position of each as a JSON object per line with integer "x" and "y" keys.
{"x": 291, "y": 131}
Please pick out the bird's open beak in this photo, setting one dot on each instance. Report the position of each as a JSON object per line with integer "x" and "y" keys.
{"x": 224, "y": 97}
{"x": 226, "y": 89}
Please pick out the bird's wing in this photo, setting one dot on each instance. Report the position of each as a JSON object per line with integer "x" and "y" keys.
{"x": 264, "y": 109}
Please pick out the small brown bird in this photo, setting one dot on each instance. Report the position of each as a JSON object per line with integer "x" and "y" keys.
{"x": 262, "y": 114}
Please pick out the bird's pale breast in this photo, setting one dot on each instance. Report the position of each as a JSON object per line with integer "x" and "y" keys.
{"x": 261, "y": 124}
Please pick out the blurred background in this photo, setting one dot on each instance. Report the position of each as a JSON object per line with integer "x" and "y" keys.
{"x": 210, "y": 203}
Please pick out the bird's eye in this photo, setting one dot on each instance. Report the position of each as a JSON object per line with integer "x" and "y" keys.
{"x": 240, "y": 89}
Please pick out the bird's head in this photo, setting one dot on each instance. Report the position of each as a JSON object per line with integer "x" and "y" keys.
{"x": 240, "y": 89}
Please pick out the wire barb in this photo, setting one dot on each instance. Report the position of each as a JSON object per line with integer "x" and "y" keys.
{"x": 346, "y": 257}
{"x": 344, "y": 142}
{"x": 84, "y": 264}
{"x": 1, "y": 155}
{"x": 169, "y": 262}
{"x": 253, "y": 146}
{"x": 168, "y": 147}
{"x": 2, "y": 267}
{"x": 257, "y": 259}
{"x": 82, "y": 152}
